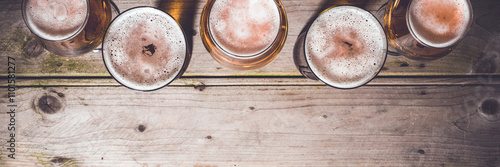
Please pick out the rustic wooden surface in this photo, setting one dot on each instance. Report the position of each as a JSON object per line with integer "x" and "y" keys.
{"x": 16, "y": 39}
{"x": 260, "y": 126}
{"x": 70, "y": 112}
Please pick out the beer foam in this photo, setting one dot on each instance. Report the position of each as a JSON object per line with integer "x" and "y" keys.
{"x": 144, "y": 48}
{"x": 244, "y": 27}
{"x": 345, "y": 47}
{"x": 439, "y": 23}
{"x": 56, "y": 19}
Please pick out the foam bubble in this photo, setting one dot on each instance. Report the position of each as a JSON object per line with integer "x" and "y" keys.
{"x": 439, "y": 23}
{"x": 56, "y": 19}
{"x": 244, "y": 27}
{"x": 345, "y": 46}
{"x": 144, "y": 48}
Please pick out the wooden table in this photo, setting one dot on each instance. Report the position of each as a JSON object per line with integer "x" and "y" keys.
{"x": 70, "y": 112}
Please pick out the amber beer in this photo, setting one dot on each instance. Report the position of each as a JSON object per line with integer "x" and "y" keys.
{"x": 344, "y": 47}
{"x": 243, "y": 34}
{"x": 426, "y": 29}
{"x": 145, "y": 49}
{"x": 68, "y": 27}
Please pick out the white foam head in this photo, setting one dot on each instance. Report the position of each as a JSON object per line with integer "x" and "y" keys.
{"x": 439, "y": 23}
{"x": 244, "y": 27}
{"x": 345, "y": 47}
{"x": 56, "y": 19}
{"x": 144, "y": 48}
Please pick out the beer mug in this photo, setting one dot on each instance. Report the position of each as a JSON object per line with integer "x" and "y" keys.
{"x": 145, "y": 49}
{"x": 68, "y": 27}
{"x": 243, "y": 34}
{"x": 425, "y": 29}
{"x": 344, "y": 47}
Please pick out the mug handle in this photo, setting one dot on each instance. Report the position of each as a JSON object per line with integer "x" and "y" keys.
{"x": 114, "y": 8}
{"x": 116, "y": 11}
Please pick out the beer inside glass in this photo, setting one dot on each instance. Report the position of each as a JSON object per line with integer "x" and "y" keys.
{"x": 425, "y": 29}
{"x": 243, "y": 34}
{"x": 344, "y": 47}
{"x": 68, "y": 27}
{"x": 145, "y": 49}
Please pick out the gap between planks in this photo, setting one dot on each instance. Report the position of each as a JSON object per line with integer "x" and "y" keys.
{"x": 203, "y": 81}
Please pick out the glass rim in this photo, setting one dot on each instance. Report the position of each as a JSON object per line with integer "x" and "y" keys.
{"x": 466, "y": 31}
{"x": 80, "y": 29}
{"x": 283, "y": 21}
{"x": 342, "y": 86}
{"x": 181, "y": 70}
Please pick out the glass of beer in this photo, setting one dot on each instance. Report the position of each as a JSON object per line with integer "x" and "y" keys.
{"x": 344, "y": 47}
{"x": 243, "y": 34}
{"x": 425, "y": 29}
{"x": 68, "y": 27}
{"x": 145, "y": 49}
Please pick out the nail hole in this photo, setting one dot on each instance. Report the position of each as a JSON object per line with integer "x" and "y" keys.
{"x": 251, "y": 108}
{"x": 209, "y": 137}
{"x": 404, "y": 64}
{"x": 420, "y": 151}
{"x": 423, "y": 92}
{"x": 325, "y": 116}
{"x": 141, "y": 128}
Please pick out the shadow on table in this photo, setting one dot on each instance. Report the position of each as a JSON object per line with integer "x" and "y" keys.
{"x": 184, "y": 11}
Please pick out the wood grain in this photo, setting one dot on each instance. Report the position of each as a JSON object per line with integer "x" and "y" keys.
{"x": 15, "y": 37}
{"x": 70, "y": 112}
{"x": 197, "y": 81}
{"x": 256, "y": 126}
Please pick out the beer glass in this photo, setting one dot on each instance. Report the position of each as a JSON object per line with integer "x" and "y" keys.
{"x": 425, "y": 29}
{"x": 344, "y": 47}
{"x": 145, "y": 49}
{"x": 243, "y": 34}
{"x": 68, "y": 27}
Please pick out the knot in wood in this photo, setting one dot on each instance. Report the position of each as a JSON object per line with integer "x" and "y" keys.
{"x": 489, "y": 110}
{"x": 49, "y": 104}
{"x": 490, "y": 107}
{"x": 33, "y": 48}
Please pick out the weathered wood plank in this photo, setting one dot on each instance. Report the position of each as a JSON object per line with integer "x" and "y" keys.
{"x": 14, "y": 42}
{"x": 199, "y": 82}
{"x": 414, "y": 114}
{"x": 255, "y": 126}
